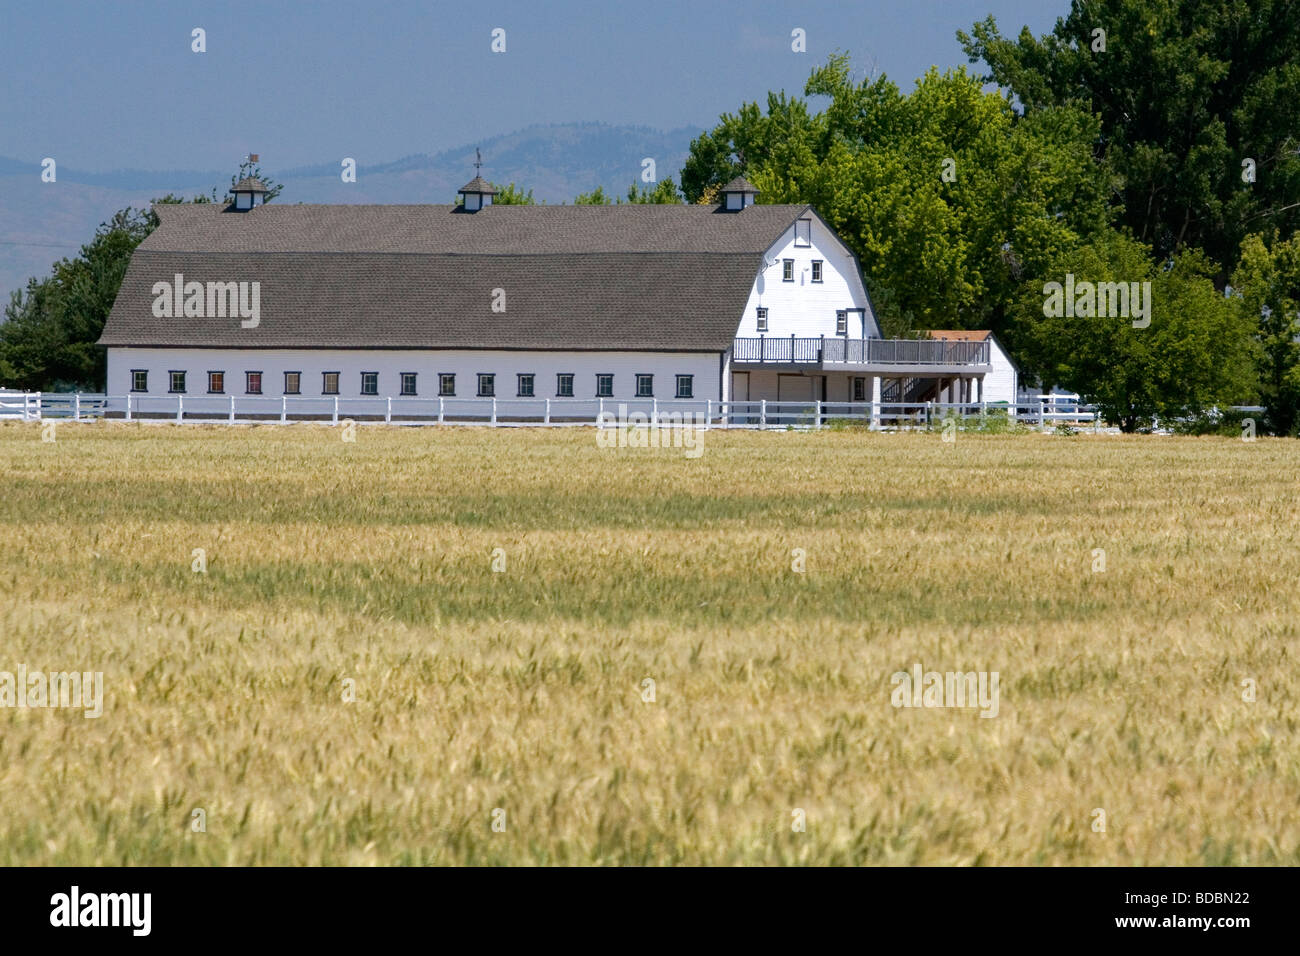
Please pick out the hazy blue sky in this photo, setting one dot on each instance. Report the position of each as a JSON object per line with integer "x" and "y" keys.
{"x": 106, "y": 85}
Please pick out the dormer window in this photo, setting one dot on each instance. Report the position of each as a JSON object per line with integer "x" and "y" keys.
{"x": 248, "y": 192}
{"x": 738, "y": 194}
{"x": 476, "y": 194}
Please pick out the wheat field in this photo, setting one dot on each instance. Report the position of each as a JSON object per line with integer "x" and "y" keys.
{"x": 431, "y": 646}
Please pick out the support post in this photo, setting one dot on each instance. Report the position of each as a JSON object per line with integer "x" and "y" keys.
{"x": 494, "y": 409}
{"x": 819, "y": 413}
{"x": 875, "y": 403}
{"x": 76, "y": 407}
{"x": 232, "y": 408}
{"x": 388, "y": 415}
{"x": 180, "y": 407}
{"x": 440, "y": 409}
{"x": 654, "y": 412}
{"x": 128, "y": 406}
{"x": 708, "y": 411}
{"x": 284, "y": 409}
{"x": 336, "y": 409}
{"x": 762, "y": 413}
{"x": 546, "y": 417}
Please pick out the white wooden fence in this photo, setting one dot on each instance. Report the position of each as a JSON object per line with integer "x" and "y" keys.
{"x": 1042, "y": 412}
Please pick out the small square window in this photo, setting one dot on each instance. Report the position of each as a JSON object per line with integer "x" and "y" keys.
{"x": 685, "y": 386}
{"x": 817, "y": 270}
{"x": 604, "y": 386}
{"x": 447, "y": 385}
{"x": 408, "y": 383}
{"x": 253, "y": 383}
{"x": 329, "y": 383}
{"x": 292, "y": 383}
{"x": 564, "y": 385}
{"x": 526, "y": 385}
{"x": 645, "y": 386}
{"x": 487, "y": 384}
{"x": 841, "y": 322}
{"x": 216, "y": 383}
{"x": 177, "y": 381}
{"x": 787, "y": 270}
{"x": 369, "y": 383}
{"x": 139, "y": 380}
{"x": 762, "y": 319}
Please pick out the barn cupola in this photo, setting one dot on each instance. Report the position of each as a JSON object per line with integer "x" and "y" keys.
{"x": 738, "y": 194}
{"x": 478, "y": 192}
{"x": 249, "y": 192}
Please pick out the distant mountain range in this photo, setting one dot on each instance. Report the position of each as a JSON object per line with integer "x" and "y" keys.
{"x": 42, "y": 222}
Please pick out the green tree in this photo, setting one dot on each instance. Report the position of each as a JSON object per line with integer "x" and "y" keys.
{"x": 512, "y": 195}
{"x": 664, "y": 192}
{"x": 249, "y": 168}
{"x": 596, "y": 197}
{"x": 1268, "y": 280}
{"x": 1186, "y": 91}
{"x": 1195, "y": 354}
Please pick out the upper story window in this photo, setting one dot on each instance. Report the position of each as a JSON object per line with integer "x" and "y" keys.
{"x": 329, "y": 383}
{"x": 787, "y": 270}
{"x": 762, "y": 319}
{"x": 605, "y": 386}
{"x": 447, "y": 384}
{"x": 841, "y": 322}
{"x": 216, "y": 383}
{"x": 817, "y": 270}
{"x": 139, "y": 380}
{"x": 177, "y": 381}
{"x": 408, "y": 383}
{"x": 253, "y": 383}
{"x": 292, "y": 383}
{"x": 369, "y": 383}
{"x": 564, "y": 385}
{"x": 645, "y": 386}
{"x": 803, "y": 233}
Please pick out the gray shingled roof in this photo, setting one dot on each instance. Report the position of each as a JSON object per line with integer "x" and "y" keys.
{"x": 478, "y": 185}
{"x": 249, "y": 184}
{"x": 740, "y": 185}
{"x": 639, "y": 277}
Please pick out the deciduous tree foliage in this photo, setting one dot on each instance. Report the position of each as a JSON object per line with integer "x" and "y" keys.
{"x": 1185, "y": 91}
{"x": 1268, "y": 280}
{"x": 1196, "y": 353}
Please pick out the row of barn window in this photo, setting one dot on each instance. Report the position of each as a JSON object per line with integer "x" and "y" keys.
{"x": 525, "y": 383}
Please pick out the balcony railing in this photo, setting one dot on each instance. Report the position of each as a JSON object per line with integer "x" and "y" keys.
{"x": 841, "y": 351}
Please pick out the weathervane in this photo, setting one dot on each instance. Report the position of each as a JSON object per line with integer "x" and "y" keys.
{"x": 478, "y": 161}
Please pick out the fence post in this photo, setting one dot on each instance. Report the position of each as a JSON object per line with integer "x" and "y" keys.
{"x": 600, "y": 410}
{"x": 546, "y": 416}
{"x": 654, "y": 411}
{"x": 128, "y": 406}
{"x": 762, "y": 413}
{"x": 336, "y": 411}
{"x": 440, "y": 400}
{"x": 76, "y": 407}
{"x": 494, "y": 409}
{"x": 388, "y": 415}
{"x": 232, "y": 408}
{"x": 819, "y": 414}
{"x": 180, "y": 407}
{"x": 284, "y": 409}
{"x": 708, "y": 411}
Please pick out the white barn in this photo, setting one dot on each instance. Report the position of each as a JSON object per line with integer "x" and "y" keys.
{"x": 687, "y": 303}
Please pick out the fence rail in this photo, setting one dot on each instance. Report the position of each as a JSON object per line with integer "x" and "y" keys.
{"x": 406, "y": 410}
{"x": 842, "y": 351}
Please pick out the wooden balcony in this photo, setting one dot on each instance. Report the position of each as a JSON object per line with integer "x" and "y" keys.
{"x": 883, "y": 355}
